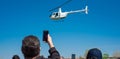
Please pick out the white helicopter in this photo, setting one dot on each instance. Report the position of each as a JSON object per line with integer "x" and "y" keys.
{"x": 60, "y": 15}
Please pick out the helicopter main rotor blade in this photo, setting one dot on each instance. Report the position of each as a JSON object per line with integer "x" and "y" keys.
{"x": 60, "y": 5}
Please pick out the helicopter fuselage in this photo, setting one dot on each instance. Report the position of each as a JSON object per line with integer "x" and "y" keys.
{"x": 58, "y": 15}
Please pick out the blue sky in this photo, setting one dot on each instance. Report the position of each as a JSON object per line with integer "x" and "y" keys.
{"x": 74, "y": 34}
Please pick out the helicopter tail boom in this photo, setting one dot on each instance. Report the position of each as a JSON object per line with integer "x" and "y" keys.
{"x": 83, "y": 10}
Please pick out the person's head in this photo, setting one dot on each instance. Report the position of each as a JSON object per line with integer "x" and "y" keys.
{"x": 15, "y": 57}
{"x": 94, "y": 54}
{"x": 30, "y": 46}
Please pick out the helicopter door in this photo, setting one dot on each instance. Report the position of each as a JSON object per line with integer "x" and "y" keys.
{"x": 56, "y": 15}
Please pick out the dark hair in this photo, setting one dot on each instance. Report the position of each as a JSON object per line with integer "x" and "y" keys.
{"x": 30, "y": 46}
{"x": 15, "y": 57}
{"x": 94, "y": 54}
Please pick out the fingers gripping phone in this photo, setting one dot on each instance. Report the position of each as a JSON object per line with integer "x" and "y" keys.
{"x": 45, "y": 35}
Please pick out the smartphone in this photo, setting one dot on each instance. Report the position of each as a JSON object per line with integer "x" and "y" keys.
{"x": 45, "y": 35}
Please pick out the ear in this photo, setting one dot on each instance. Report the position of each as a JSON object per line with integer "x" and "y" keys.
{"x": 40, "y": 48}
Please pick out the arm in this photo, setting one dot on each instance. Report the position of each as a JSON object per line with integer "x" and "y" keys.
{"x": 54, "y": 54}
{"x": 50, "y": 43}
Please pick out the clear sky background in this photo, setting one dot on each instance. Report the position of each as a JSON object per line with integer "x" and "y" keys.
{"x": 74, "y": 34}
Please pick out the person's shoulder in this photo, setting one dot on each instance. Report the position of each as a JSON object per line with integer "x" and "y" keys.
{"x": 42, "y": 57}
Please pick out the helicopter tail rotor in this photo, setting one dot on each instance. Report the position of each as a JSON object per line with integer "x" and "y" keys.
{"x": 86, "y": 9}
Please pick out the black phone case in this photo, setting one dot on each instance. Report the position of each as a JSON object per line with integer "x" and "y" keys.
{"x": 45, "y": 35}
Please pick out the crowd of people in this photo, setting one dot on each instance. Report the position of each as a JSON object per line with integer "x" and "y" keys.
{"x": 31, "y": 49}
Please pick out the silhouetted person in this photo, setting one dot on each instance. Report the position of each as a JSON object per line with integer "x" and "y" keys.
{"x": 15, "y": 57}
{"x": 94, "y": 54}
{"x": 119, "y": 58}
{"x": 31, "y": 48}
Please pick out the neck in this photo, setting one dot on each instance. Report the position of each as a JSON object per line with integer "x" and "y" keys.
{"x": 32, "y": 57}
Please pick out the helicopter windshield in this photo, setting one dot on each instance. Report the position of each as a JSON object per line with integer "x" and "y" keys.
{"x": 54, "y": 13}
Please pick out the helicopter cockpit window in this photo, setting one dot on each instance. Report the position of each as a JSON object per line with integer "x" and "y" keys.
{"x": 54, "y": 13}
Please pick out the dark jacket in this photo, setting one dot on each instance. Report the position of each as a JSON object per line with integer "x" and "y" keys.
{"x": 54, "y": 54}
